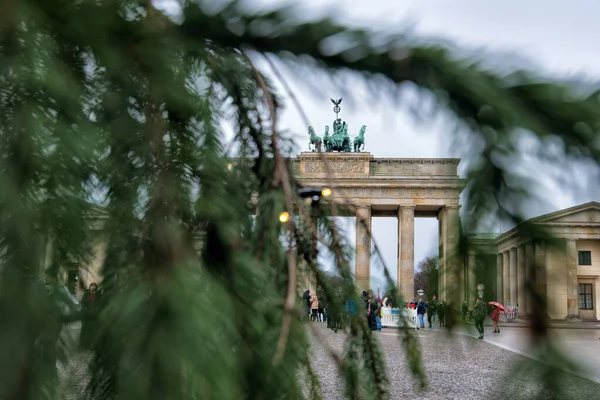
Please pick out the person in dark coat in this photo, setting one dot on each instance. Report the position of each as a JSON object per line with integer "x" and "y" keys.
{"x": 465, "y": 310}
{"x": 421, "y": 311}
{"x": 333, "y": 312}
{"x": 479, "y": 314}
{"x": 306, "y": 298}
{"x": 372, "y": 310}
{"x": 89, "y": 309}
{"x": 431, "y": 310}
{"x": 441, "y": 311}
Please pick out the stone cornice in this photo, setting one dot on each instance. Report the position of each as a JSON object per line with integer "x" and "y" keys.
{"x": 587, "y": 276}
{"x": 546, "y": 220}
{"x": 455, "y": 161}
{"x": 569, "y": 224}
{"x": 363, "y": 166}
{"x": 387, "y": 183}
{"x": 514, "y": 232}
{"x": 453, "y": 207}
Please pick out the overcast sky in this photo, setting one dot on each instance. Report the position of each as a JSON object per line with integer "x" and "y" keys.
{"x": 559, "y": 36}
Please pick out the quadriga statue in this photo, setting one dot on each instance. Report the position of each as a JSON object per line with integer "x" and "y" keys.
{"x": 360, "y": 139}
{"x": 340, "y": 139}
{"x": 314, "y": 139}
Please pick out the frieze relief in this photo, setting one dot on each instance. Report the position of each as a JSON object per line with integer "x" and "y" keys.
{"x": 396, "y": 193}
{"x": 335, "y": 167}
{"x": 313, "y": 167}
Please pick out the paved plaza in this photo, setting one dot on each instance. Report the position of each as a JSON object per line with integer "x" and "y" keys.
{"x": 459, "y": 366}
{"x": 581, "y": 345}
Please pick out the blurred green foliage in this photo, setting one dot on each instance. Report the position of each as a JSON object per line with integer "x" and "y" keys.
{"x": 112, "y": 97}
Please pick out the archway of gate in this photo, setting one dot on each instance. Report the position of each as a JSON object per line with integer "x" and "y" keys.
{"x": 401, "y": 188}
{"x": 384, "y": 232}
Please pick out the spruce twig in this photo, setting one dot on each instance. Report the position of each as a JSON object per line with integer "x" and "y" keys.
{"x": 281, "y": 179}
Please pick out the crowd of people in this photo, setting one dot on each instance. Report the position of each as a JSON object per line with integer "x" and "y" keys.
{"x": 374, "y": 310}
{"x": 432, "y": 309}
{"x": 317, "y": 311}
{"x": 374, "y": 306}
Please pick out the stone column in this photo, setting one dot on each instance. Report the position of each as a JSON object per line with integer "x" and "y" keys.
{"x": 47, "y": 254}
{"x": 453, "y": 269}
{"x": 521, "y": 279}
{"x": 529, "y": 275}
{"x": 441, "y": 256}
{"x": 471, "y": 277}
{"x": 499, "y": 279}
{"x": 506, "y": 277}
{"x": 540, "y": 269}
{"x": 463, "y": 281}
{"x": 362, "y": 261}
{"x": 572, "y": 283}
{"x": 406, "y": 252}
{"x": 514, "y": 299}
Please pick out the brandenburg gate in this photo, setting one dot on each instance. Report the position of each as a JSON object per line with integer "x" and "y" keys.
{"x": 404, "y": 188}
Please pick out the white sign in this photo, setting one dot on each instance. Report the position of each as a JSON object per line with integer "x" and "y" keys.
{"x": 391, "y": 317}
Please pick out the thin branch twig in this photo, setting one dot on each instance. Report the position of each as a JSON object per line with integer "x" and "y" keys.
{"x": 282, "y": 179}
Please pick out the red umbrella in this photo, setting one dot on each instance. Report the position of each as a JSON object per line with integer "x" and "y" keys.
{"x": 495, "y": 303}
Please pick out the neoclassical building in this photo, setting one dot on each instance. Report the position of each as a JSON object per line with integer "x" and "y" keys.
{"x": 565, "y": 270}
{"x": 370, "y": 187}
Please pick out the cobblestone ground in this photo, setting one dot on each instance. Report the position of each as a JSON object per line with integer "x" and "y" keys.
{"x": 457, "y": 367}
{"x": 74, "y": 376}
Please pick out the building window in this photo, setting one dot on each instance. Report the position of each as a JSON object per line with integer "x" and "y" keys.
{"x": 585, "y": 257}
{"x": 586, "y": 300}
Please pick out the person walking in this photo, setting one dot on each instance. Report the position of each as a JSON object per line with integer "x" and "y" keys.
{"x": 89, "y": 310}
{"x": 430, "y": 311}
{"x": 314, "y": 307}
{"x": 495, "y": 319}
{"x": 441, "y": 312}
{"x": 421, "y": 310}
{"x": 465, "y": 310}
{"x": 379, "y": 316}
{"x": 372, "y": 313}
{"x": 479, "y": 314}
{"x": 306, "y": 298}
{"x": 432, "y": 308}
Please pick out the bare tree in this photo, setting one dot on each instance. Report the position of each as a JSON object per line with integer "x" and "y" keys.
{"x": 427, "y": 277}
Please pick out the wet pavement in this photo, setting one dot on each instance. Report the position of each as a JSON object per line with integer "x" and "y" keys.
{"x": 459, "y": 366}
{"x": 581, "y": 345}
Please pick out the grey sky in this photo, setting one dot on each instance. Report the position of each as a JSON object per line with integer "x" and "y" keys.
{"x": 557, "y": 36}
